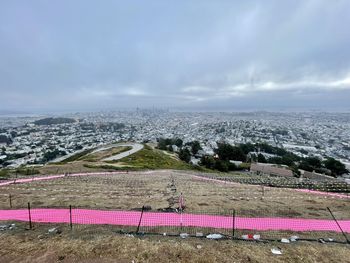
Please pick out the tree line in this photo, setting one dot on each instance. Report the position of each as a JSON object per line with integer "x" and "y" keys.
{"x": 248, "y": 153}
{"x": 243, "y": 152}
{"x": 185, "y": 151}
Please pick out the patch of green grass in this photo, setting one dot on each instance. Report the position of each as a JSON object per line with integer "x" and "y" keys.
{"x": 27, "y": 171}
{"x": 111, "y": 167}
{"x": 244, "y": 166}
{"x": 76, "y": 156}
{"x": 149, "y": 158}
{"x": 4, "y": 173}
{"x": 7, "y": 173}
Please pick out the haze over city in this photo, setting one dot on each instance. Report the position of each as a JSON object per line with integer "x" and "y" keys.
{"x": 185, "y": 55}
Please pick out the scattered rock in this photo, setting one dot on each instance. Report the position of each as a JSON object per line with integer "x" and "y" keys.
{"x": 321, "y": 240}
{"x": 285, "y": 240}
{"x": 199, "y": 234}
{"x": 294, "y": 238}
{"x": 256, "y": 237}
{"x": 215, "y": 236}
{"x": 276, "y": 251}
{"x": 199, "y": 246}
{"x": 7, "y": 227}
{"x": 184, "y": 235}
{"x": 54, "y": 230}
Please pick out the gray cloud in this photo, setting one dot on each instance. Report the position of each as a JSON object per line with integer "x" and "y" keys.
{"x": 83, "y": 55}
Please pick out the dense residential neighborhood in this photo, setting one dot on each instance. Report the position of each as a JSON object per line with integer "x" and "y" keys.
{"x": 38, "y": 140}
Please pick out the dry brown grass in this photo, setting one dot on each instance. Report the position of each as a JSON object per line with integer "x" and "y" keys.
{"x": 132, "y": 190}
{"x": 74, "y": 167}
{"x": 135, "y": 189}
{"x": 30, "y": 246}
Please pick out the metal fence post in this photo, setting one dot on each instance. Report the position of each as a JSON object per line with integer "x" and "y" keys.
{"x": 30, "y": 216}
{"x": 138, "y": 227}
{"x": 70, "y": 217}
{"x": 181, "y": 221}
{"x": 336, "y": 221}
{"x": 262, "y": 191}
{"x": 233, "y": 223}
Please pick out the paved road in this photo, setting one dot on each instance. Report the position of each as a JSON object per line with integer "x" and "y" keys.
{"x": 135, "y": 148}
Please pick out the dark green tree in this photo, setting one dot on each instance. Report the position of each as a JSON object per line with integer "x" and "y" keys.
{"x": 303, "y": 165}
{"x": 178, "y": 142}
{"x": 314, "y": 162}
{"x": 162, "y": 144}
{"x": 221, "y": 166}
{"x": 228, "y": 152}
{"x": 289, "y": 159}
{"x": 50, "y": 155}
{"x": 168, "y": 141}
{"x": 195, "y": 147}
{"x": 185, "y": 155}
{"x": 275, "y": 160}
{"x": 208, "y": 161}
{"x": 261, "y": 158}
{"x": 310, "y": 164}
{"x": 232, "y": 166}
{"x": 336, "y": 167}
{"x": 247, "y": 148}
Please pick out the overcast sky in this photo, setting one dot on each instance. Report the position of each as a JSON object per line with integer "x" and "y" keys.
{"x": 216, "y": 55}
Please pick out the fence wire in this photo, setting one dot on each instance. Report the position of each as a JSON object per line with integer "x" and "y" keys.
{"x": 243, "y": 224}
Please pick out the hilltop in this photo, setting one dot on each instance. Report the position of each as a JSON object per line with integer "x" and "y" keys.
{"x": 51, "y": 121}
